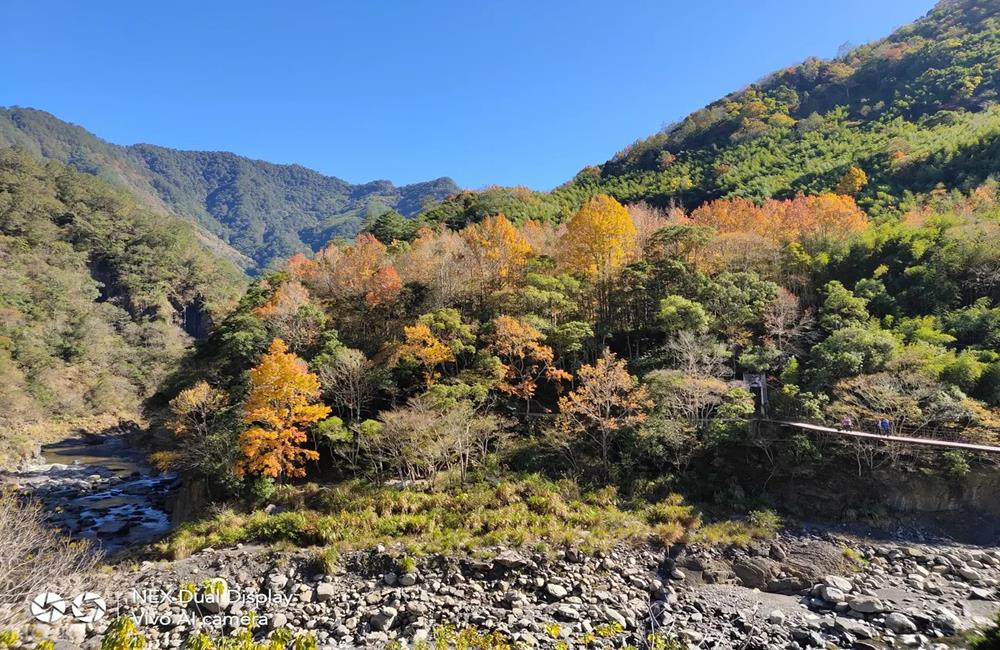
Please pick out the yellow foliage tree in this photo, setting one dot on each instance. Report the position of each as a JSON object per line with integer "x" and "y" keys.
{"x": 280, "y": 407}
{"x": 194, "y": 413}
{"x": 852, "y": 182}
{"x": 423, "y": 347}
{"x": 599, "y": 237}
{"x": 498, "y": 250}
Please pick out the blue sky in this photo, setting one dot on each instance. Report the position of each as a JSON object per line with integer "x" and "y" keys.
{"x": 513, "y": 92}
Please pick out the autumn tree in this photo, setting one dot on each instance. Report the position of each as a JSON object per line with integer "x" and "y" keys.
{"x": 525, "y": 358}
{"x": 853, "y": 181}
{"x": 436, "y": 261}
{"x": 606, "y": 403}
{"x": 205, "y": 435}
{"x": 437, "y": 338}
{"x": 599, "y": 238}
{"x": 293, "y": 316}
{"x": 698, "y": 354}
{"x": 802, "y": 219}
{"x": 431, "y": 434}
{"x": 787, "y": 326}
{"x": 279, "y": 407}
{"x": 362, "y": 269}
{"x": 498, "y": 251}
{"x": 194, "y": 412}
{"x": 648, "y": 221}
{"x": 689, "y": 398}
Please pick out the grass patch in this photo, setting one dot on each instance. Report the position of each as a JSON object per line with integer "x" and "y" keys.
{"x": 853, "y": 556}
{"x": 760, "y": 524}
{"x": 528, "y": 511}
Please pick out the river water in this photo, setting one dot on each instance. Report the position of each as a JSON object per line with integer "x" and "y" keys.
{"x": 100, "y": 489}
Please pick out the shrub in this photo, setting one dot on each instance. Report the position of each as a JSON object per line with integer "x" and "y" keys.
{"x": 672, "y": 509}
{"x": 34, "y": 557}
{"x": 326, "y": 560}
{"x": 406, "y": 564}
{"x": 955, "y": 465}
{"x": 290, "y": 526}
{"x": 262, "y": 488}
{"x": 761, "y": 524}
{"x": 669, "y": 533}
{"x": 767, "y": 522}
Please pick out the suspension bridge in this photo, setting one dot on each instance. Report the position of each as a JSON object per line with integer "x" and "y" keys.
{"x": 930, "y": 442}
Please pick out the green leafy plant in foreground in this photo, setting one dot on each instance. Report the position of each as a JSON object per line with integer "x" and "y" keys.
{"x": 987, "y": 639}
{"x": 123, "y": 634}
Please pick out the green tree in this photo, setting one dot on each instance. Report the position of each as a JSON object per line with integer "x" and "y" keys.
{"x": 677, "y": 313}
{"x": 841, "y": 308}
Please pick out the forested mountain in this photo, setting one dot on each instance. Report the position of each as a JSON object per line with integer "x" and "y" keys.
{"x": 263, "y": 210}
{"x": 98, "y": 296}
{"x": 832, "y": 228}
{"x": 915, "y": 112}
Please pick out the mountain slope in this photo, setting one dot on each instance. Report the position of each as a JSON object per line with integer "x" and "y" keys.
{"x": 263, "y": 210}
{"x": 916, "y": 111}
{"x": 98, "y": 298}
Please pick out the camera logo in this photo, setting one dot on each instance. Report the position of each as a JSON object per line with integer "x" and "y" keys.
{"x": 87, "y": 607}
{"x": 48, "y": 607}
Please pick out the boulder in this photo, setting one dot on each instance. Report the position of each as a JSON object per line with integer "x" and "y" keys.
{"x": 866, "y": 605}
{"x": 510, "y": 559}
{"x": 900, "y": 623}
{"x": 324, "y": 591}
{"x": 839, "y": 583}
{"x": 755, "y": 573}
{"x": 831, "y": 594}
{"x": 383, "y": 619}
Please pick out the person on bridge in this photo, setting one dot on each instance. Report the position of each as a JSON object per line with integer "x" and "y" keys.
{"x": 884, "y": 426}
{"x": 846, "y": 422}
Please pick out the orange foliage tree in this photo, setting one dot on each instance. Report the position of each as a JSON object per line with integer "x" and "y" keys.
{"x": 525, "y": 359}
{"x": 293, "y": 315}
{"x": 425, "y": 349}
{"x": 853, "y": 181}
{"x": 363, "y": 268}
{"x": 437, "y": 338}
{"x": 280, "y": 406}
{"x": 607, "y": 402}
{"x": 826, "y": 216}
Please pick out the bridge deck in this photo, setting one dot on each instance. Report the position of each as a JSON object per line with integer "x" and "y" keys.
{"x": 917, "y": 441}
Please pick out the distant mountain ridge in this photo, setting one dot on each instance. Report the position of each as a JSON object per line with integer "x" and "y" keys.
{"x": 263, "y": 210}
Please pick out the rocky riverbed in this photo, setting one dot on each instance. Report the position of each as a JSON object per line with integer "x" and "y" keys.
{"x": 803, "y": 590}
{"x": 809, "y": 588}
{"x": 100, "y": 489}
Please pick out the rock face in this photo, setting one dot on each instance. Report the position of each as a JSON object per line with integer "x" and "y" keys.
{"x": 897, "y": 596}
